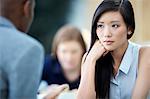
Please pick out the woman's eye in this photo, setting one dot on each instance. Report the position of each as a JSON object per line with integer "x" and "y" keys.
{"x": 115, "y": 26}
{"x": 100, "y": 26}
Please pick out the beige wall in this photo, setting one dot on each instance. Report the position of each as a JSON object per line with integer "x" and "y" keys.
{"x": 142, "y": 17}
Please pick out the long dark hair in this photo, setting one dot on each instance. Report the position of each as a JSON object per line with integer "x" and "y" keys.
{"x": 104, "y": 65}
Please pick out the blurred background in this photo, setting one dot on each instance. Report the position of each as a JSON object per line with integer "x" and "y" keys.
{"x": 50, "y": 15}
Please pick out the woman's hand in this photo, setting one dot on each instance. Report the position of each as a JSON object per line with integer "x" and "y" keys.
{"x": 97, "y": 51}
{"x": 86, "y": 88}
{"x": 54, "y": 90}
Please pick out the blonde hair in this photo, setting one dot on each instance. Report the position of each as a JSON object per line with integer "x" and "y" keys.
{"x": 67, "y": 33}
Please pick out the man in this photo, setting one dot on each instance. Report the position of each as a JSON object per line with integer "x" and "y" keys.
{"x": 21, "y": 57}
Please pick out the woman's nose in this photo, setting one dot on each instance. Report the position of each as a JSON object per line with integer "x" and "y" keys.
{"x": 107, "y": 32}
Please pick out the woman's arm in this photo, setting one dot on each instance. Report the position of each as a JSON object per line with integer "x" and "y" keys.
{"x": 142, "y": 86}
{"x": 87, "y": 84}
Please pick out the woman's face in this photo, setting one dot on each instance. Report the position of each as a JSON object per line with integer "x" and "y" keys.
{"x": 69, "y": 54}
{"x": 112, "y": 30}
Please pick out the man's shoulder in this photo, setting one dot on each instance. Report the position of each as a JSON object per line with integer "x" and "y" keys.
{"x": 14, "y": 42}
{"x": 16, "y": 46}
{"x": 15, "y": 37}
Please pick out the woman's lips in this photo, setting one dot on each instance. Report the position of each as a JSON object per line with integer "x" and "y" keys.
{"x": 108, "y": 42}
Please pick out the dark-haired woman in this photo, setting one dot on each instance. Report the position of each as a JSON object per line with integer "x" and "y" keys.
{"x": 114, "y": 67}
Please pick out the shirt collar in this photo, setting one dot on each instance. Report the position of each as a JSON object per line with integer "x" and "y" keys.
{"x": 127, "y": 60}
{"x": 6, "y": 22}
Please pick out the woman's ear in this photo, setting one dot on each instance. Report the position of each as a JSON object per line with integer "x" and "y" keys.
{"x": 129, "y": 30}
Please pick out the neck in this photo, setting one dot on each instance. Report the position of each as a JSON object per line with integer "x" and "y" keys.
{"x": 72, "y": 75}
{"x": 118, "y": 56}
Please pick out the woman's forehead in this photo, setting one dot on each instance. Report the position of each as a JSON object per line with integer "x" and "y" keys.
{"x": 111, "y": 16}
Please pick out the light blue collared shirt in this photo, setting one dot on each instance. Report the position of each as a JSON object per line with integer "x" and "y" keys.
{"x": 121, "y": 86}
{"x": 21, "y": 63}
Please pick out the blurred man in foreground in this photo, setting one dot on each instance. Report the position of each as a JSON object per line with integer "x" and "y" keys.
{"x": 21, "y": 57}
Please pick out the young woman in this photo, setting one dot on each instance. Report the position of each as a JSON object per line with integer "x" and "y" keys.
{"x": 114, "y": 67}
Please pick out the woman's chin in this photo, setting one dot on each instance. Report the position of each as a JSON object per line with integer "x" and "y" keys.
{"x": 109, "y": 48}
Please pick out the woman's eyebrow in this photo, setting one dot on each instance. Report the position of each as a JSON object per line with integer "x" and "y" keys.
{"x": 110, "y": 22}
{"x": 115, "y": 21}
{"x": 100, "y": 22}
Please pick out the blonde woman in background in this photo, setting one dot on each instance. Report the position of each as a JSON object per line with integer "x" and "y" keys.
{"x": 63, "y": 66}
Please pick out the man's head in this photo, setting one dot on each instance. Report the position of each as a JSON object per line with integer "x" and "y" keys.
{"x": 20, "y": 12}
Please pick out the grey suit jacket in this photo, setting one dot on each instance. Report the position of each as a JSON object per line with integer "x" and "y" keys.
{"x": 21, "y": 63}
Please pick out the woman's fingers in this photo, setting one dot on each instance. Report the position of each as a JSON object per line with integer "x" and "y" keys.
{"x": 54, "y": 91}
{"x": 106, "y": 51}
{"x": 97, "y": 50}
{"x": 64, "y": 87}
{"x": 84, "y": 57}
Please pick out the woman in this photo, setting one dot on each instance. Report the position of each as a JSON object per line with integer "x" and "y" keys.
{"x": 114, "y": 67}
{"x": 64, "y": 65}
